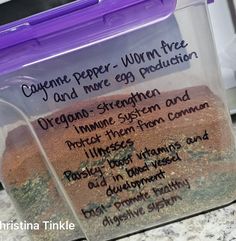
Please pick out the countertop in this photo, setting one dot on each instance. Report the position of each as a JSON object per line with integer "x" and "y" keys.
{"x": 218, "y": 225}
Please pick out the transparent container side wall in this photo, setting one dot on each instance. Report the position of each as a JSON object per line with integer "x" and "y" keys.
{"x": 135, "y": 127}
{"x": 195, "y": 27}
{"x": 29, "y": 183}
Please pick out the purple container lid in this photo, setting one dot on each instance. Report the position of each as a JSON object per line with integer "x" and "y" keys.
{"x": 57, "y": 31}
{"x": 72, "y": 26}
{"x": 70, "y": 15}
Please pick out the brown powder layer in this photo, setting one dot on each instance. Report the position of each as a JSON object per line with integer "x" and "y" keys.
{"x": 208, "y": 166}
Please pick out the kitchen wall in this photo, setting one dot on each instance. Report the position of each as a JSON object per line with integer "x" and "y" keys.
{"x": 223, "y": 17}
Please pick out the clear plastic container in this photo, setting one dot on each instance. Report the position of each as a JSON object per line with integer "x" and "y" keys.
{"x": 115, "y": 114}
